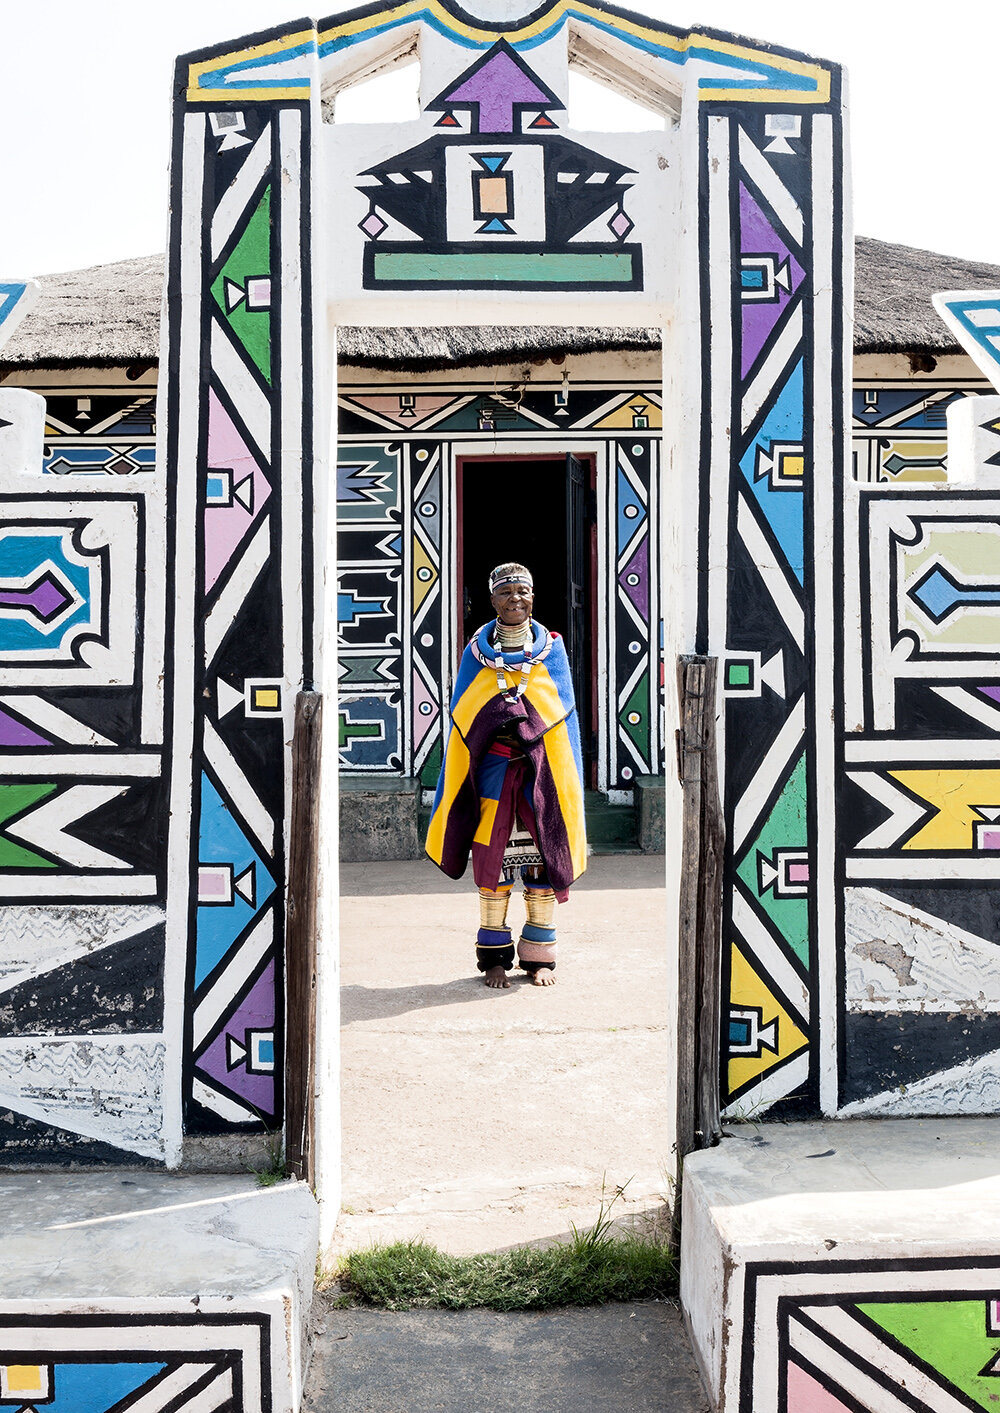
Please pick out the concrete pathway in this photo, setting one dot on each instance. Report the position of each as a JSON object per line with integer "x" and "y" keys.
{"x": 480, "y": 1120}
{"x": 609, "y": 1359}
{"x": 484, "y": 1119}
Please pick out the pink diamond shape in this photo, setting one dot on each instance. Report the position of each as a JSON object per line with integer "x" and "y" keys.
{"x": 620, "y": 224}
{"x": 373, "y": 225}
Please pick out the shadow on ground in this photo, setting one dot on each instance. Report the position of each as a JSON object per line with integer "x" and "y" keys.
{"x": 421, "y": 877}
{"x": 365, "y": 1003}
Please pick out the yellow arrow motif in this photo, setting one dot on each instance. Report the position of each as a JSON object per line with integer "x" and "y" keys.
{"x": 782, "y": 1036}
{"x": 957, "y": 796}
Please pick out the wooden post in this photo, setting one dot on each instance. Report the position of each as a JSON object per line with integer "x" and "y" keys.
{"x": 300, "y": 939}
{"x": 700, "y": 929}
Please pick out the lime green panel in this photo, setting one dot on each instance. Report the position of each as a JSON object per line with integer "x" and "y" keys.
{"x": 786, "y": 827}
{"x": 950, "y": 1336}
{"x": 504, "y": 267}
{"x": 14, "y": 800}
{"x": 250, "y": 259}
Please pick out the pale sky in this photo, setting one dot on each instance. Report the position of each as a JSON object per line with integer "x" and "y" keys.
{"x": 85, "y": 102}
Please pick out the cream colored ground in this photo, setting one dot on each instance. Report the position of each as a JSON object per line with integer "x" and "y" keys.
{"x": 484, "y": 1119}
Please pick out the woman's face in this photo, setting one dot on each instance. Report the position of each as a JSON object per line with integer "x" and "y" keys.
{"x": 513, "y": 603}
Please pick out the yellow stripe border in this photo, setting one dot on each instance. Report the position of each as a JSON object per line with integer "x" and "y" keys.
{"x": 815, "y": 78}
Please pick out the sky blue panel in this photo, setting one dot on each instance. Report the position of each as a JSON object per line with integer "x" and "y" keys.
{"x": 221, "y": 840}
{"x": 93, "y": 1388}
{"x": 25, "y": 557}
{"x": 783, "y": 508}
{"x": 631, "y": 511}
{"x": 10, "y": 297}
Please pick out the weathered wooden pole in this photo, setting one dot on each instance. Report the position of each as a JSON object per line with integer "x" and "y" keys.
{"x": 700, "y": 923}
{"x": 300, "y": 939}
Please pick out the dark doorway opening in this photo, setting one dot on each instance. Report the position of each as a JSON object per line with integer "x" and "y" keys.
{"x": 538, "y": 510}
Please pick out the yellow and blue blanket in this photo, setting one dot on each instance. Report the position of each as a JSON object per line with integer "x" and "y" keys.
{"x": 544, "y": 722}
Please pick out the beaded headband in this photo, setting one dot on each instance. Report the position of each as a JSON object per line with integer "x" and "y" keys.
{"x": 519, "y": 577}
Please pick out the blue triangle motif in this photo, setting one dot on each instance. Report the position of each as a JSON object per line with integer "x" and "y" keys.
{"x": 493, "y": 163}
{"x": 783, "y": 509}
{"x": 495, "y": 225}
{"x": 222, "y": 840}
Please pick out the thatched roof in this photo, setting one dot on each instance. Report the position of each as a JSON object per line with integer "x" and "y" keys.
{"x": 109, "y": 314}
{"x": 415, "y": 349}
{"x": 893, "y": 285}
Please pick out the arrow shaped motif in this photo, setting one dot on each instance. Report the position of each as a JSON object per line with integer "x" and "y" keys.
{"x": 904, "y": 812}
{"x": 44, "y": 598}
{"x": 44, "y": 828}
{"x": 940, "y": 593}
{"x": 496, "y": 87}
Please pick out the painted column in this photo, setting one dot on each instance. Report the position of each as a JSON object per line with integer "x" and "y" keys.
{"x": 772, "y": 252}
{"x": 241, "y": 389}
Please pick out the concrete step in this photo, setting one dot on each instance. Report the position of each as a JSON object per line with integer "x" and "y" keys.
{"x": 151, "y": 1293}
{"x": 606, "y": 1359}
{"x": 846, "y": 1266}
{"x": 611, "y": 829}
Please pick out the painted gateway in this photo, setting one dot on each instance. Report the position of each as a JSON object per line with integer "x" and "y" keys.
{"x": 153, "y": 635}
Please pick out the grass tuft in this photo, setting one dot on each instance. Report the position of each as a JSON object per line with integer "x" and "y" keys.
{"x": 273, "y": 1169}
{"x": 594, "y": 1267}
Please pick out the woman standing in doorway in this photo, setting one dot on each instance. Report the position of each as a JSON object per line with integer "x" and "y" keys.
{"x": 511, "y": 785}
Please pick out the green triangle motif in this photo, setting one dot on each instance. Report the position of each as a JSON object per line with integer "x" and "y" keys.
{"x": 786, "y": 827}
{"x": 14, "y": 800}
{"x": 431, "y": 767}
{"x": 950, "y": 1336}
{"x": 638, "y": 705}
{"x": 251, "y": 257}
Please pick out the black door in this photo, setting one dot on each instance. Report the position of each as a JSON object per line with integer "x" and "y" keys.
{"x": 535, "y": 510}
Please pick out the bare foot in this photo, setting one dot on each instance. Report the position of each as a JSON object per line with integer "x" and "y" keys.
{"x": 496, "y": 978}
{"x": 544, "y": 977}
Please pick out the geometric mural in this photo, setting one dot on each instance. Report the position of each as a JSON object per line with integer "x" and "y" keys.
{"x": 899, "y": 428}
{"x": 397, "y": 543}
{"x": 771, "y": 953}
{"x": 96, "y": 1363}
{"x": 919, "y": 801}
{"x": 908, "y": 821}
{"x": 535, "y": 195}
{"x": 99, "y": 432}
{"x": 83, "y": 813}
{"x": 892, "y": 1335}
{"x": 240, "y": 476}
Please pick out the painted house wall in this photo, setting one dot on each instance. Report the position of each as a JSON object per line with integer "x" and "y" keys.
{"x": 401, "y": 442}
{"x": 758, "y": 565}
{"x": 909, "y": 980}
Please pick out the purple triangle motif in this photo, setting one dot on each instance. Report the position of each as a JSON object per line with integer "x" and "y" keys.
{"x": 758, "y": 237}
{"x": 15, "y": 733}
{"x": 493, "y": 88}
{"x": 992, "y": 692}
{"x": 254, "y": 1013}
{"x": 638, "y": 566}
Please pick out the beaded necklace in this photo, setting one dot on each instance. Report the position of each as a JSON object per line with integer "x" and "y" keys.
{"x": 518, "y": 691}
